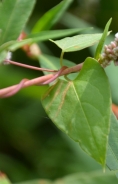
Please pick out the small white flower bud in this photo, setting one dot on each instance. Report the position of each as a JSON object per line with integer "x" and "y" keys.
{"x": 103, "y": 55}
{"x": 110, "y": 56}
{"x": 9, "y": 55}
{"x": 108, "y": 51}
{"x": 105, "y": 47}
{"x": 113, "y": 44}
{"x": 116, "y": 35}
{"x": 110, "y": 46}
{"x": 115, "y": 50}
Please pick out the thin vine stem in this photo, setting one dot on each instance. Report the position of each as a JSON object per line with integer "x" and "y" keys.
{"x": 9, "y": 91}
{"x": 28, "y": 66}
{"x": 61, "y": 58}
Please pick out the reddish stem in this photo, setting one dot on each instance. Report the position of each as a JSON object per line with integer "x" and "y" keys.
{"x": 38, "y": 81}
{"x": 28, "y": 66}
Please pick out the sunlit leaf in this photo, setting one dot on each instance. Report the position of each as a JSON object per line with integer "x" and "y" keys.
{"x": 79, "y": 42}
{"x": 51, "y": 17}
{"x": 72, "y": 21}
{"x": 81, "y": 109}
{"x": 38, "y": 37}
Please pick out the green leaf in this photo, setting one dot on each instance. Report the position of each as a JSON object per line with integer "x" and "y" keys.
{"x": 112, "y": 73}
{"x": 4, "y": 179}
{"x": 75, "y": 107}
{"x": 71, "y": 21}
{"x": 3, "y": 55}
{"x": 42, "y": 36}
{"x": 51, "y": 62}
{"x": 102, "y": 40}
{"x": 112, "y": 152}
{"x": 13, "y": 17}
{"x": 6, "y": 45}
{"x": 79, "y": 42}
{"x": 40, "y": 181}
{"x": 95, "y": 177}
{"x": 51, "y": 17}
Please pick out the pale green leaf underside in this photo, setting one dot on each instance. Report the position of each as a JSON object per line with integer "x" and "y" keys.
{"x": 79, "y": 42}
{"x": 38, "y": 37}
{"x": 51, "y": 17}
{"x": 13, "y": 17}
{"x": 81, "y": 108}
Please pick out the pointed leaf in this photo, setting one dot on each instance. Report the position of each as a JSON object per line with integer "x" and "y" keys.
{"x": 81, "y": 108}
{"x": 102, "y": 40}
{"x": 13, "y": 17}
{"x": 79, "y": 42}
{"x": 42, "y": 36}
{"x": 51, "y": 17}
{"x": 71, "y": 21}
{"x": 112, "y": 152}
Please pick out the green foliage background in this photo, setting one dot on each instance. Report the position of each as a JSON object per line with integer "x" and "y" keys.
{"x": 30, "y": 145}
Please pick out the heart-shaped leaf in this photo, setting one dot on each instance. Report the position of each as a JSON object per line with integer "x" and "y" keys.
{"x": 81, "y": 109}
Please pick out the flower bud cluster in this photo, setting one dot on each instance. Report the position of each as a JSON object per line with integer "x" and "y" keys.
{"x": 110, "y": 53}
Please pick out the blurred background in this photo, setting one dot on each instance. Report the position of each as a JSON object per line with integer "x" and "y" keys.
{"x": 30, "y": 145}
